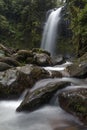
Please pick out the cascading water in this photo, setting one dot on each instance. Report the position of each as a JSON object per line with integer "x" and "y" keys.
{"x": 50, "y": 31}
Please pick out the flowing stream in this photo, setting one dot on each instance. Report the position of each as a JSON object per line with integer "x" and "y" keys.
{"x": 46, "y": 118}
{"x": 50, "y": 117}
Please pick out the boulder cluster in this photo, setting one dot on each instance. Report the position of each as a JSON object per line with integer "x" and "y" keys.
{"x": 21, "y": 69}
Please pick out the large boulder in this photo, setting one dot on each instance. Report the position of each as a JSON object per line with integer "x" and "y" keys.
{"x": 35, "y": 56}
{"x": 55, "y": 74}
{"x": 58, "y": 60}
{"x": 77, "y": 70}
{"x": 35, "y": 73}
{"x": 40, "y": 96}
{"x": 24, "y": 56}
{"x": 7, "y": 50}
{"x": 2, "y": 53}
{"x": 25, "y": 53}
{"x": 10, "y": 61}
{"x": 42, "y": 59}
{"x": 39, "y": 50}
{"x": 12, "y": 83}
{"x": 15, "y": 80}
{"x": 4, "y": 66}
{"x": 75, "y": 102}
{"x": 79, "y": 67}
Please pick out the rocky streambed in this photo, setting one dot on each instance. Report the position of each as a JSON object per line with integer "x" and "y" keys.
{"x": 29, "y": 70}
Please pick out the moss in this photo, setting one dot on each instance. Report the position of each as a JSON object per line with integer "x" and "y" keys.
{"x": 39, "y": 50}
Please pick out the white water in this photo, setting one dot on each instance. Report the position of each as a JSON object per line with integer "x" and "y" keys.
{"x": 58, "y": 67}
{"x": 46, "y": 118}
{"x": 50, "y": 31}
{"x": 73, "y": 82}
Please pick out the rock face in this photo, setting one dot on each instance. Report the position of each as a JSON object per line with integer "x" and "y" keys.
{"x": 35, "y": 73}
{"x": 10, "y": 61}
{"x": 16, "y": 58}
{"x": 14, "y": 81}
{"x": 4, "y": 66}
{"x": 35, "y": 56}
{"x": 59, "y": 60}
{"x": 41, "y": 96}
{"x": 39, "y": 50}
{"x": 79, "y": 67}
{"x": 7, "y": 51}
{"x": 12, "y": 84}
{"x": 75, "y": 102}
{"x": 42, "y": 59}
{"x": 77, "y": 70}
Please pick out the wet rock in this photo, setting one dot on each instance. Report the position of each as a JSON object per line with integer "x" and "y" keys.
{"x": 30, "y": 60}
{"x": 19, "y": 58}
{"x": 56, "y": 74}
{"x": 2, "y": 53}
{"x": 12, "y": 84}
{"x": 4, "y": 66}
{"x": 39, "y": 97}
{"x": 14, "y": 81}
{"x": 7, "y": 51}
{"x": 75, "y": 102}
{"x": 34, "y": 72}
{"x": 25, "y": 53}
{"x": 22, "y": 56}
{"x": 39, "y": 50}
{"x": 42, "y": 59}
{"x": 35, "y": 56}
{"x": 79, "y": 67}
{"x": 10, "y": 61}
{"x": 3, "y": 48}
{"x": 58, "y": 60}
{"x": 77, "y": 70}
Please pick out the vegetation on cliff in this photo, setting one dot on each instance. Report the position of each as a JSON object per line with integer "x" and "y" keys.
{"x": 21, "y": 21}
{"x": 78, "y": 17}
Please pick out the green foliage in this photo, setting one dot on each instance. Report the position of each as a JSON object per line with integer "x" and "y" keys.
{"x": 3, "y": 23}
{"x": 78, "y": 16}
{"x": 21, "y": 21}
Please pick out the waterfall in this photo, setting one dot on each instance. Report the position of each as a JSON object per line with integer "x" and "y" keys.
{"x": 50, "y": 33}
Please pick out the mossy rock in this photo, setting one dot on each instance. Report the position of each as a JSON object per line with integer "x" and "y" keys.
{"x": 42, "y": 59}
{"x": 19, "y": 58}
{"x": 2, "y": 53}
{"x": 39, "y": 50}
{"x": 7, "y": 50}
{"x": 41, "y": 96}
{"x": 30, "y": 60}
{"x": 15, "y": 80}
{"x": 83, "y": 58}
{"x": 38, "y": 73}
{"x": 75, "y": 102}
{"x": 10, "y": 61}
{"x": 25, "y": 53}
{"x": 77, "y": 70}
{"x": 4, "y": 66}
